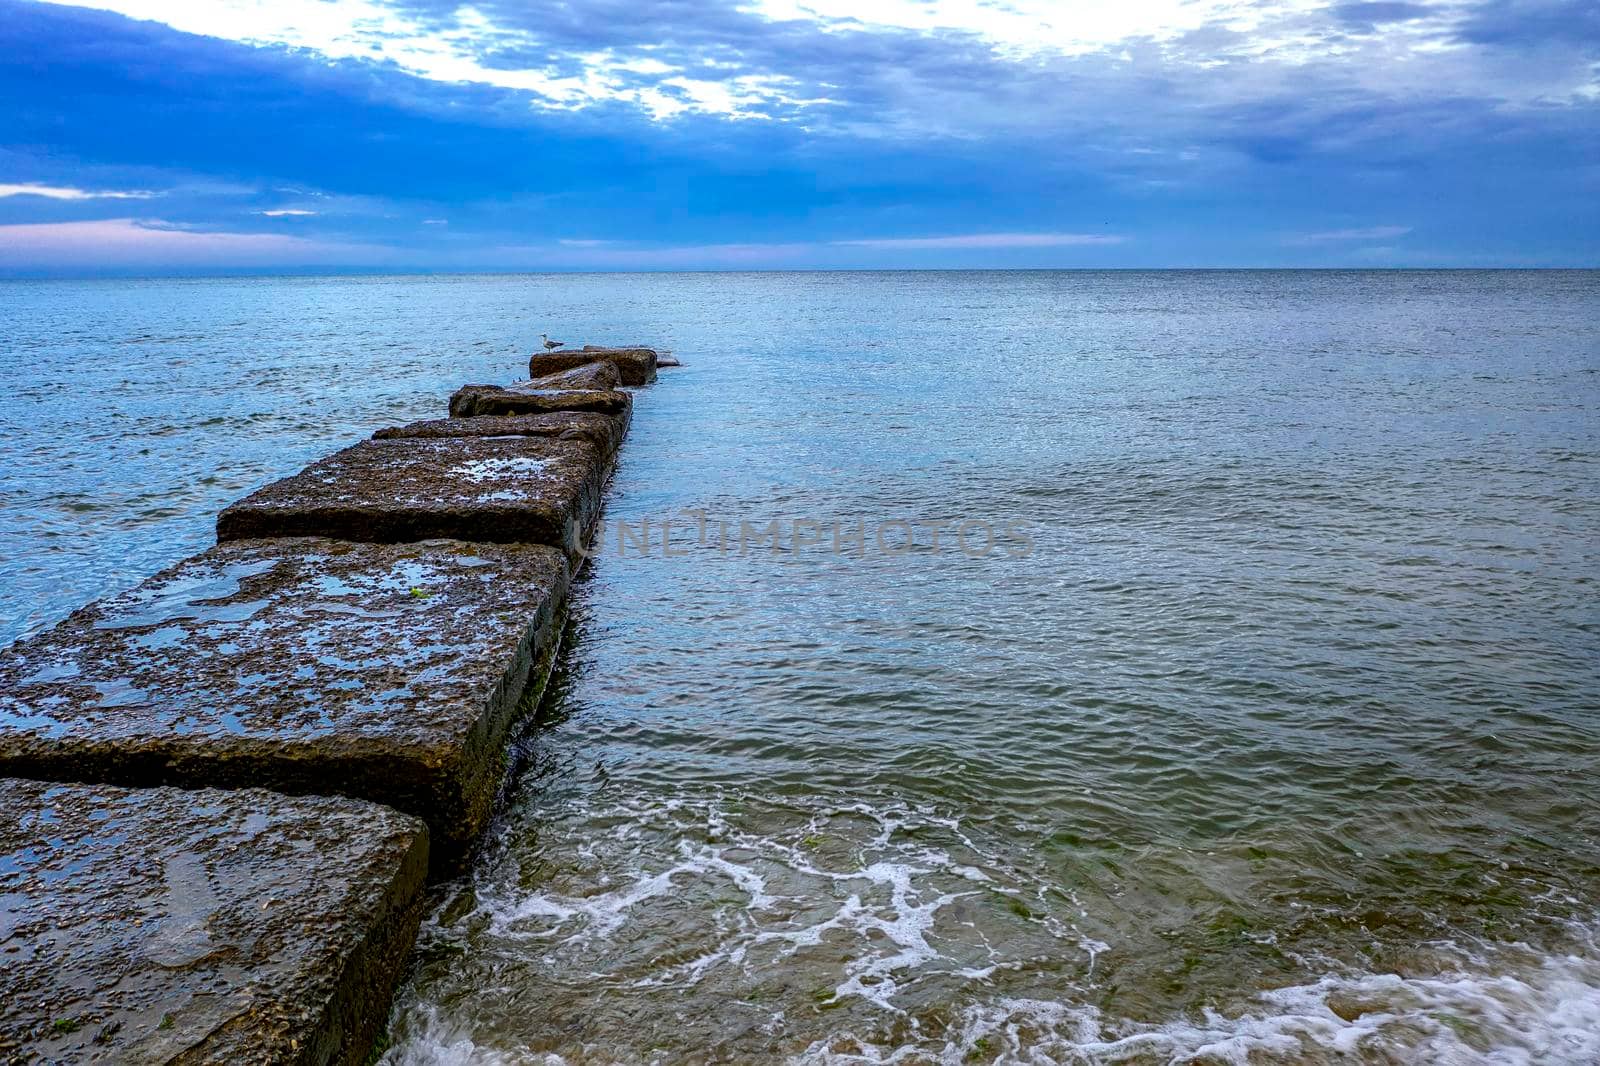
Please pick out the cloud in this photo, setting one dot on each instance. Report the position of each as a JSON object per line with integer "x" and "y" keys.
{"x": 850, "y": 254}
{"x": 987, "y": 240}
{"x": 470, "y": 44}
{"x": 1537, "y": 23}
{"x": 66, "y": 192}
{"x": 120, "y": 243}
{"x": 1368, "y": 233}
{"x": 1380, "y": 12}
{"x": 688, "y": 257}
{"x": 287, "y": 212}
{"x": 925, "y": 65}
{"x": 1205, "y": 141}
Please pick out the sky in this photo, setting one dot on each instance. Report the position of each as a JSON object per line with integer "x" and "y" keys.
{"x": 262, "y": 136}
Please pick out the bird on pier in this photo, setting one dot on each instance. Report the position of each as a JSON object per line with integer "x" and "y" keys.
{"x": 550, "y": 345}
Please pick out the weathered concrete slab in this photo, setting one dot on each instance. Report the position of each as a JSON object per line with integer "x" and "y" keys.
{"x": 636, "y": 365}
{"x": 392, "y": 673}
{"x": 472, "y": 400}
{"x": 599, "y": 374}
{"x": 603, "y": 431}
{"x": 163, "y": 926}
{"x": 522, "y": 489}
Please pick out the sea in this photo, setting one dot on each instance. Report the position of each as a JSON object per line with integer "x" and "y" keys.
{"x": 1022, "y": 667}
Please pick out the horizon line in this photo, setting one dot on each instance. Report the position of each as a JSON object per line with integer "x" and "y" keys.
{"x": 359, "y": 272}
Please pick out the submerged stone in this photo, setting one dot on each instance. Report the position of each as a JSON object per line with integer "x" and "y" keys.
{"x": 506, "y": 489}
{"x": 392, "y": 673}
{"x": 474, "y": 400}
{"x": 636, "y": 365}
{"x": 596, "y": 375}
{"x": 164, "y": 926}
{"x": 603, "y": 431}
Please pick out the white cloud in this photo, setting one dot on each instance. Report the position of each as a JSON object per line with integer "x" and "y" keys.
{"x": 1280, "y": 34}
{"x": 1051, "y": 26}
{"x": 1073, "y": 68}
{"x": 987, "y": 240}
{"x": 700, "y": 256}
{"x": 67, "y": 192}
{"x": 129, "y": 242}
{"x": 370, "y": 30}
{"x": 287, "y": 212}
{"x": 1369, "y": 233}
{"x": 622, "y": 255}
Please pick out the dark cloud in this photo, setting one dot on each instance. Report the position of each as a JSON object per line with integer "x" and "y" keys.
{"x": 1371, "y": 15}
{"x": 1523, "y": 23}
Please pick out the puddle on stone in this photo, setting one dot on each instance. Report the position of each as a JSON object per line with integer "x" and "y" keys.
{"x": 192, "y": 599}
{"x": 499, "y": 468}
{"x": 158, "y": 639}
{"x": 53, "y": 672}
{"x": 120, "y": 694}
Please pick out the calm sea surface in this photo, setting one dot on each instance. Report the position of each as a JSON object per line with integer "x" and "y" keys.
{"x": 1247, "y": 708}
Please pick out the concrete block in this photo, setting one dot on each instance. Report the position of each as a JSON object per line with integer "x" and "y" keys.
{"x": 507, "y": 489}
{"x": 164, "y": 926}
{"x": 391, "y": 673}
{"x": 600, "y": 374}
{"x": 603, "y": 431}
{"x": 636, "y": 365}
{"x": 473, "y": 400}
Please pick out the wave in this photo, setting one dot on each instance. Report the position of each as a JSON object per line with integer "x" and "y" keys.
{"x": 884, "y": 932}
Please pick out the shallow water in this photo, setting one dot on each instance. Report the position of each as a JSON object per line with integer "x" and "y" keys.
{"x": 1246, "y": 709}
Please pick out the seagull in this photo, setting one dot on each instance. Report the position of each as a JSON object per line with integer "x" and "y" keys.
{"x": 550, "y": 345}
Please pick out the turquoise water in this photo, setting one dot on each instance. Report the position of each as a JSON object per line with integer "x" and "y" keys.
{"x": 1264, "y": 729}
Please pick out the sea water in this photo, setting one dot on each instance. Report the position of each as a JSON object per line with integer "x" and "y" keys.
{"x": 977, "y": 667}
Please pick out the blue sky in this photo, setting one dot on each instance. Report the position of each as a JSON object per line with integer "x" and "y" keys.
{"x": 195, "y": 136}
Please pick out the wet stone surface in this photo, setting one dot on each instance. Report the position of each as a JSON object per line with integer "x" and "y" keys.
{"x": 662, "y": 358}
{"x": 600, "y": 374}
{"x": 525, "y": 399}
{"x": 508, "y": 489}
{"x": 387, "y": 672}
{"x": 158, "y": 925}
{"x": 603, "y": 431}
{"x": 636, "y": 365}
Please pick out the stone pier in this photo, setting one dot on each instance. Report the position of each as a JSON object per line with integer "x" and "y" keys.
{"x": 226, "y": 786}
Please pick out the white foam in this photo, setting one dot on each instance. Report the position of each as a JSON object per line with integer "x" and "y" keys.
{"x": 868, "y": 906}
{"x": 909, "y": 922}
{"x": 429, "y": 1041}
{"x": 1548, "y": 1017}
{"x": 602, "y": 914}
